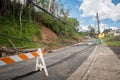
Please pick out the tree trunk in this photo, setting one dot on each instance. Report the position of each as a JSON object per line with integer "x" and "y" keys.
{"x": 4, "y": 7}
{"x": 20, "y": 17}
{"x": 98, "y": 22}
{"x": 49, "y": 5}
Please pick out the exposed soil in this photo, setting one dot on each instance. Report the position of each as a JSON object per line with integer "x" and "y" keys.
{"x": 48, "y": 35}
{"x": 116, "y": 50}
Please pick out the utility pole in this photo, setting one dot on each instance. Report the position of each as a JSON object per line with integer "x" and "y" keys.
{"x": 98, "y": 22}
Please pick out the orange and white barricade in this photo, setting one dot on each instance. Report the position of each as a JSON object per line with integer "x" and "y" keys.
{"x": 40, "y": 63}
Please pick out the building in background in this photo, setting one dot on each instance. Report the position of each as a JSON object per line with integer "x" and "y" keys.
{"x": 116, "y": 32}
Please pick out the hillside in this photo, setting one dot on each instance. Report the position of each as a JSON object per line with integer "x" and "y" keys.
{"x": 21, "y": 27}
{"x": 41, "y": 31}
{"x": 48, "y": 35}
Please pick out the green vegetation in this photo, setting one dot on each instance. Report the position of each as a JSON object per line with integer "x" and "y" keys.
{"x": 113, "y": 41}
{"x": 21, "y": 23}
{"x": 91, "y": 31}
{"x": 12, "y": 32}
{"x": 113, "y": 44}
{"x": 57, "y": 26}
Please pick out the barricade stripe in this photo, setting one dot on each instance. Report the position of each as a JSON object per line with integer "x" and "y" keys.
{"x": 35, "y": 54}
{"x": 8, "y": 60}
{"x": 19, "y": 57}
{"x": 2, "y": 63}
{"x": 42, "y": 50}
{"x": 16, "y": 58}
{"x": 22, "y": 56}
{"x": 29, "y": 55}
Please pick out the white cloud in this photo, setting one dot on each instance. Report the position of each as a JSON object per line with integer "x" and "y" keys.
{"x": 105, "y": 26}
{"x": 102, "y": 27}
{"x": 83, "y": 28}
{"x": 105, "y": 8}
{"x": 113, "y": 28}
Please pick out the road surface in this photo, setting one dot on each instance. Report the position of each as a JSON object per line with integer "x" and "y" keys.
{"x": 60, "y": 64}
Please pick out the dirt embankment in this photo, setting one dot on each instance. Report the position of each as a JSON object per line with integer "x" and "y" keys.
{"x": 116, "y": 50}
{"x": 48, "y": 35}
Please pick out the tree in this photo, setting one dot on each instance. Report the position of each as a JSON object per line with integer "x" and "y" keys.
{"x": 106, "y": 31}
{"x": 59, "y": 6}
{"x": 50, "y": 5}
{"x": 42, "y": 3}
{"x": 64, "y": 12}
{"x": 73, "y": 22}
{"x": 91, "y": 31}
{"x": 22, "y": 5}
{"x": 4, "y": 7}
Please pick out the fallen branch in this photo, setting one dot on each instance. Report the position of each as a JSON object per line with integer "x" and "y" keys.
{"x": 12, "y": 44}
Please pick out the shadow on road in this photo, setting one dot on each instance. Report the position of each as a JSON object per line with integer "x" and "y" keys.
{"x": 33, "y": 72}
{"x": 25, "y": 75}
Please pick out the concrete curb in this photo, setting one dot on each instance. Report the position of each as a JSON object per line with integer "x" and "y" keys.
{"x": 84, "y": 69}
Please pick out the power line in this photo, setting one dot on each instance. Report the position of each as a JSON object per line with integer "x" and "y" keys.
{"x": 48, "y": 13}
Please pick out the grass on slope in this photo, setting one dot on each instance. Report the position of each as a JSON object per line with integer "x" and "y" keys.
{"x": 113, "y": 41}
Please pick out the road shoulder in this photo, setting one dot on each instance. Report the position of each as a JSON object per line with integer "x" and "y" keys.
{"x": 102, "y": 64}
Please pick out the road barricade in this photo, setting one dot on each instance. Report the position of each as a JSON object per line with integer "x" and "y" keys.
{"x": 40, "y": 63}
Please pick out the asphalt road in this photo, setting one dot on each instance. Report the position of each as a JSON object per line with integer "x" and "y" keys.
{"x": 60, "y": 64}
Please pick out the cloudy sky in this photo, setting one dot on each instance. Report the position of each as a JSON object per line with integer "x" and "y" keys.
{"x": 85, "y": 11}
